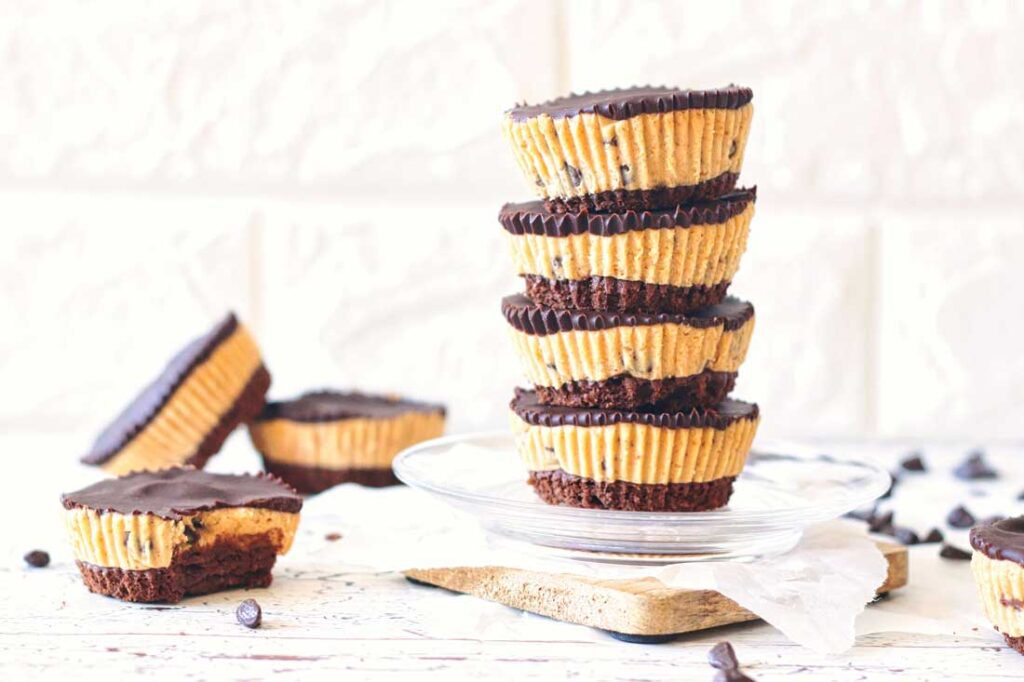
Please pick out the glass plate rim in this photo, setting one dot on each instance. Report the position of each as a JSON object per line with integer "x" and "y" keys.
{"x": 878, "y": 486}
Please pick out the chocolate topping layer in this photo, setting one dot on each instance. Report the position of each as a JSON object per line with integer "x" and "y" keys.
{"x": 148, "y": 403}
{"x": 325, "y": 406}
{"x": 176, "y": 493}
{"x": 531, "y": 217}
{"x": 528, "y": 408}
{"x": 530, "y": 318}
{"x": 623, "y": 103}
{"x": 1002, "y": 540}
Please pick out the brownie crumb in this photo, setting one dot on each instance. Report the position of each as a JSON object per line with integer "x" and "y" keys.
{"x": 913, "y": 462}
{"x": 975, "y": 468}
{"x": 951, "y": 552}
{"x": 934, "y": 535}
{"x": 959, "y": 517}
{"x": 249, "y": 614}
{"x": 37, "y": 558}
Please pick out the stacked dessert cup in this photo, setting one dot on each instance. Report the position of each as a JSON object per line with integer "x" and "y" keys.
{"x": 625, "y": 330}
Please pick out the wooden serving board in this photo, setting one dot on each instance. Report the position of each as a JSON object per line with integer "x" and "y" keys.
{"x": 639, "y": 610}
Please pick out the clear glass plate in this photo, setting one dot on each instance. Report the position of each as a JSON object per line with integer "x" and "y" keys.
{"x": 775, "y": 498}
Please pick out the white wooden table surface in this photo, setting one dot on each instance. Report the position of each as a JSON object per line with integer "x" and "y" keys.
{"x": 321, "y": 621}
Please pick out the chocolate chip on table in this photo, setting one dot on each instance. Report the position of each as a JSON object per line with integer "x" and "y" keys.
{"x": 975, "y": 468}
{"x": 37, "y": 558}
{"x": 905, "y": 536}
{"x": 913, "y": 462}
{"x": 332, "y": 537}
{"x": 249, "y": 613}
{"x": 723, "y": 656}
{"x": 732, "y": 675}
{"x": 934, "y": 535}
{"x": 959, "y": 517}
{"x": 881, "y": 523}
{"x": 951, "y": 552}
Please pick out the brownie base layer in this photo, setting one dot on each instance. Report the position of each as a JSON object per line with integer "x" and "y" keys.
{"x": 246, "y": 407}
{"x": 621, "y": 295}
{"x": 309, "y": 479}
{"x": 559, "y": 487}
{"x": 1015, "y": 643}
{"x": 222, "y": 566}
{"x": 625, "y": 392}
{"x": 644, "y": 199}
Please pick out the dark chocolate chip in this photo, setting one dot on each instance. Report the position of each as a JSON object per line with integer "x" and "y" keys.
{"x": 959, "y": 517}
{"x": 906, "y": 536}
{"x": 249, "y": 613}
{"x": 723, "y": 657}
{"x": 881, "y": 523}
{"x": 913, "y": 462}
{"x": 556, "y": 267}
{"x": 624, "y": 174}
{"x": 191, "y": 536}
{"x": 332, "y": 537}
{"x": 732, "y": 149}
{"x": 731, "y": 676}
{"x": 574, "y": 175}
{"x": 975, "y": 468}
{"x": 934, "y": 535}
{"x": 37, "y": 558}
{"x": 537, "y": 181}
{"x": 951, "y": 552}
{"x": 614, "y": 142}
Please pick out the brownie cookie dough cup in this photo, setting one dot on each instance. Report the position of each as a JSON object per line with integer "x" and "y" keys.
{"x": 637, "y": 148}
{"x": 634, "y": 461}
{"x": 998, "y": 567}
{"x": 627, "y": 360}
{"x": 159, "y": 536}
{"x": 214, "y": 384}
{"x": 325, "y": 438}
{"x": 661, "y": 261}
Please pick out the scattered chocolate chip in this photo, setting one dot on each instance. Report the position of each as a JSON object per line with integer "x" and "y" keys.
{"x": 881, "y": 523}
{"x": 975, "y": 468}
{"x": 732, "y": 149}
{"x": 906, "y": 536}
{"x": 913, "y": 462}
{"x": 574, "y": 175}
{"x": 249, "y": 613}
{"x": 723, "y": 657}
{"x": 959, "y": 517}
{"x": 934, "y": 535}
{"x": 37, "y": 558}
{"x": 731, "y": 676}
{"x": 332, "y": 537}
{"x": 951, "y": 552}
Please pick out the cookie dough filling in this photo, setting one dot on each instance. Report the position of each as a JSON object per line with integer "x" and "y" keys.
{"x": 661, "y": 261}
{"x": 603, "y": 359}
{"x": 997, "y": 563}
{"x": 633, "y": 460}
{"x": 159, "y": 536}
{"x": 636, "y": 148}
{"x": 325, "y": 438}
{"x": 214, "y": 384}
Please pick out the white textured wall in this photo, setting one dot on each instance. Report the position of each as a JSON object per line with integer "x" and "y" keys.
{"x": 332, "y": 171}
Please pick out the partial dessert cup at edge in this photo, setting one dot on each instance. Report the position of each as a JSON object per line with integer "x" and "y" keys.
{"x": 672, "y": 261}
{"x": 630, "y": 360}
{"x": 214, "y": 384}
{"x": 997, "y": 563}
{"x": 653, "y": 460}
{"x": 160, "y": 536}
{"x": 325, "y": 438}
{"x": 635, "y": 148}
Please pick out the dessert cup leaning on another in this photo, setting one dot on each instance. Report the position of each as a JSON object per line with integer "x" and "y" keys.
{"x": 627, "y": 360}
{"x": 670, "y": 261}
{"x": 159, "y": 536}
{"x": 213, "y": 385}
{"x": 997, "y": 563}
{"x": 683, "y": 460}
{"x": 325, "y": 438}
{"x": 636, "y": 148}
